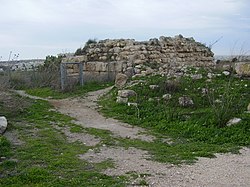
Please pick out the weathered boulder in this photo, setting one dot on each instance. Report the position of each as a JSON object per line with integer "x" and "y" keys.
{"x": 204, "y": 91}
{"x": 149, "y": 71}
{"x": 133, "y": 104}
{"x": 167, "y": 97}
{"x": 129, "y": 71}
{"x": 243, "y": 68}
{"x": 126, "y": 93}
{"x": 186, "y": 101}
{"x": 217, "y": 101}
{"x": 153, "y": 87}
{"x": 120, "y": 80}
{"x": 210, "y": 75}
{"x": 196, "y": 76}
{"x": 233, "y": 121}
{"x": 3, "y": 124}
{"x": 226, "y": 73}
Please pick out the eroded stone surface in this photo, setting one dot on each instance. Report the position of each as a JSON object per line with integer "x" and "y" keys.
{"x": 164, "y": 56}
{"x": 3, "y": 124}
{"x": 243, "y": 68}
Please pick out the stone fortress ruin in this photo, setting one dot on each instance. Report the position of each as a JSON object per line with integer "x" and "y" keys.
{"x": 102, "y": 60}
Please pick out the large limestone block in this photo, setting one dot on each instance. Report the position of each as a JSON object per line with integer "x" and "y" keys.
{"x": 82, "y": 58}
{"x": 101, "y": 66}
{"x": 116, "y": 66}
{"x": 243, "y": 68}
{"x": 126, "y": 93}
{"x": 90, "y": 66}
{"x": 121, "y": 80}
{"x": 121, "y": 100}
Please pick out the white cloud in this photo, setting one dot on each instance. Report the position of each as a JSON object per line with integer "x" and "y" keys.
{"x": 60, "y": 22}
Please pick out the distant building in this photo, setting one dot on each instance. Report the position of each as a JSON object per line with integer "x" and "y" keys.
{"x": 21, "y": 65}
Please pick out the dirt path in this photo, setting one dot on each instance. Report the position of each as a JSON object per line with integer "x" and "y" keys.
{"x": 84, "y": 110}
{"x": 226, "y": 170}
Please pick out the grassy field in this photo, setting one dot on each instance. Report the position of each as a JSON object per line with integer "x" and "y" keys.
{"x": 197, "y": 130}
{"x": 47, "y": 92}
{"x": 44, "y": 157}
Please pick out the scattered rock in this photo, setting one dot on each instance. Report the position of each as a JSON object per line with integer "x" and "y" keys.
{"x": 218, "y": 101}
{"x": 126, "y": 93}
{"x": 167, "y": 96}
{"x": 196, "y": 76}
{"x": 3, "y": 124}
{"x": 248, "y": 107}
{"x": 137, "y": 75}
{"x": 149, "y": 71}
{"x": 120, "y": 80}
{"x": 186, "y": 101}
{"x": 137, "y": 71}
{"x": 121, "y": 100}
{"x": 132, "y": 104}
{"x": 153, "y": 87}
{"x": 123, "y": 95}
{"x": 226, "y": 73}
{"x": 233, "y": 121}
{"x": 204, "y": 91}
{"x": 210, "y": 75}
{"x": 129, "y": 72}
{"x": 243, "y": 68}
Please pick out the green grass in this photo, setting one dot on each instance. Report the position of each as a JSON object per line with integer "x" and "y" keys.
{"x": 46, "y": 158}
{"x": 196, "y": 131}
{"x": 77, "y": 91}
{"x": 5, "y": 149}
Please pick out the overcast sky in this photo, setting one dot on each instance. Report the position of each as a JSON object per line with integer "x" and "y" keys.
{"x": 37, "y": 28}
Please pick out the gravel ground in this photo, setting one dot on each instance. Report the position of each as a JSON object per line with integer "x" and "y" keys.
{"x": 227, "y": 170}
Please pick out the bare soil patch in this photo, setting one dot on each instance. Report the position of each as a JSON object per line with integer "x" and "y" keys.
{"x": 84, "y": 110}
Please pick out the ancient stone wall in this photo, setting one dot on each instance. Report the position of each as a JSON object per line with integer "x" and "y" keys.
{"x": 163, "y": 55}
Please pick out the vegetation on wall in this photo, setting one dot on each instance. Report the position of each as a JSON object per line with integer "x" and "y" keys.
{"x": 82, "y": 51}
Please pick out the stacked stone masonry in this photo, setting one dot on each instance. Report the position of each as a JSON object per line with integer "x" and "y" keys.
{"x": 131, "y": 57}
